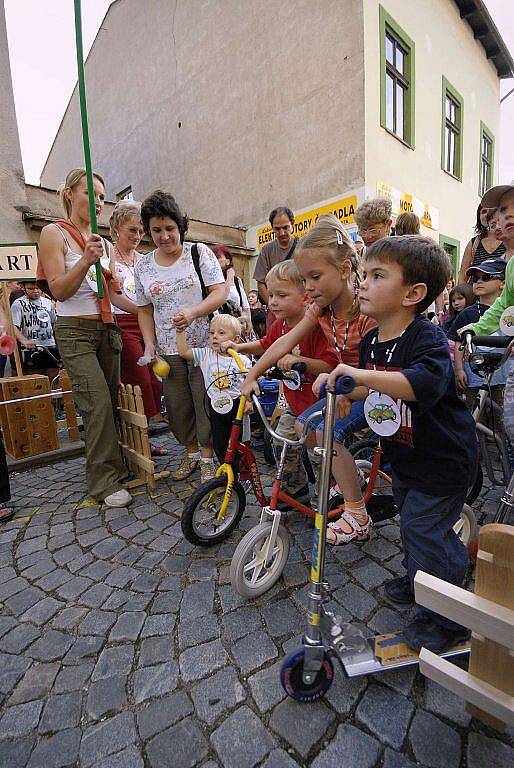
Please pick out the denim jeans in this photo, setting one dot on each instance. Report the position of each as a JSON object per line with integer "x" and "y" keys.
{"x": 343, "y": 428}
{"x": 429, "y": 541}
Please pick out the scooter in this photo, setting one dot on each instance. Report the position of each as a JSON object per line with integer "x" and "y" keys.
{"x": 307, "y": 673}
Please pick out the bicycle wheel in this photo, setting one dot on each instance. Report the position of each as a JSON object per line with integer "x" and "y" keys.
{"x": 466, "y": 526}
{"x": 363, "y": 449}
{"x": 249, "y": 574}
{"x": 199, "y": 524}
{"x": 474, "y": 490}
{"x": 269, "y": 449}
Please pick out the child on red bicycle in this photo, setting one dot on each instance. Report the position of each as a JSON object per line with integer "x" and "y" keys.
{"x": 287, "y": 301}
{"x": 427, "y": 434}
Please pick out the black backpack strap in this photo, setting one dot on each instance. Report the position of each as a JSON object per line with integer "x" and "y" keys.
{"x": 238, "y": 289}
{"x": 292, "y": 250}
{"x": 195, "y": 255}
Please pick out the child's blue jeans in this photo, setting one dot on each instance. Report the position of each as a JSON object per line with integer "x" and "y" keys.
{"x": 429, "y": 541}
{"x": 343, "y": 428}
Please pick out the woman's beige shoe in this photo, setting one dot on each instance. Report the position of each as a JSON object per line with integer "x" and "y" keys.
{"x": 187, "y": 467}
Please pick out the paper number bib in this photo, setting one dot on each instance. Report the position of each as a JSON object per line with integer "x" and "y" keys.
{"x": 222, "y": 403}
{"x": 382, "y": 414}
{"x": 507, "y": 321}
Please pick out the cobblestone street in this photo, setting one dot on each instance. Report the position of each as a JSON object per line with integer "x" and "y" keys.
{"x": 123, "y": 646}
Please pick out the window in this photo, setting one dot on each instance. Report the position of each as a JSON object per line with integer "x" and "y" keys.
{"x": 486, "y": 159}
{"x": 452, "y": 248}
{"x": 125, "y": 194}
{"x": 451, "y": 140}
{"x": 397, "y": 80}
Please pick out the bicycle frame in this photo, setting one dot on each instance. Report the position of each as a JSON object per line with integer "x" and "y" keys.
{"x": 236, "y": 449}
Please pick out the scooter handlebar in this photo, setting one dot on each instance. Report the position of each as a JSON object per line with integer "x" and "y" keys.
{"x": 343, "y": 386}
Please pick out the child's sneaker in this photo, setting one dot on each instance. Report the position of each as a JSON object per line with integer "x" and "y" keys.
{"x": 337, "y": 535}
{"x": 424, "y": 632}
{"x": 207, "y": 471}
{"x": 399, "y": 591}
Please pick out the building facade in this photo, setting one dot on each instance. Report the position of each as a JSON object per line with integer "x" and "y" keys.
{"x": 238, "y": 107}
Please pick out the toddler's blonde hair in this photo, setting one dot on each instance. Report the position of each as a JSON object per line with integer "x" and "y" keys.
{"x": 228, "y": 322}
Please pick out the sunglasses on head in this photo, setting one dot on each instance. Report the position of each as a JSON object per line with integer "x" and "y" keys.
{"x": 485, "y": 277}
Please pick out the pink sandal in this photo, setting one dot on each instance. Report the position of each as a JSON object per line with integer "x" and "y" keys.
{"x": 359, "y": 531}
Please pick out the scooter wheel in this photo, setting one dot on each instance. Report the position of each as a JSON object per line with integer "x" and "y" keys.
{"x": 291, "y": 677}
{"x": 249, "y": 574}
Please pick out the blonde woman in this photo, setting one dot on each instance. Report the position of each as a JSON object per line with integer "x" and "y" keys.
{"x": 126, "y": 233}
{"x": 88, "y": 340}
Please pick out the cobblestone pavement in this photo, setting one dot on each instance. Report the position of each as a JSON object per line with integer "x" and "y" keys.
{"x": 123, "y": 646}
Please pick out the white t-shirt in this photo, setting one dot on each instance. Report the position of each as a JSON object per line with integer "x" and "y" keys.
{"x": 34, "y": 318}
{"x": 222, "y": 378}
{"x": 220, "y": 372}
{"x": 233, "y": 295}
{"x": 171, "y": 288}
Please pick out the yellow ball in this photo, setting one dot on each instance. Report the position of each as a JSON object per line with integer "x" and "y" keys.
{"x": 161, "y": 368}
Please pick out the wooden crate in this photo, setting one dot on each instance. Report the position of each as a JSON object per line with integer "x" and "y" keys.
{"x": 28, "y": 427}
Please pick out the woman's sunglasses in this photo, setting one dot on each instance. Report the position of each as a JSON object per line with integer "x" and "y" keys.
{"x": 485, "y": 277}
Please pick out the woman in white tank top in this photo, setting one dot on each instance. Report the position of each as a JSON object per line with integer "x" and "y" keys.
{"x": 89, "y": 344}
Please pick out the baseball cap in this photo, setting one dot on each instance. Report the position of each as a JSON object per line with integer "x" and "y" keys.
{"x": 490, "y": 267}
{"x": 492, "y": 197}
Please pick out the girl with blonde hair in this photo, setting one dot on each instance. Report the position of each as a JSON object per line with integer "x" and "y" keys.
{"x": 328, "y": 264}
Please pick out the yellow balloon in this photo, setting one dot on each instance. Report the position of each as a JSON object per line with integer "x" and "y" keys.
{"x": 161, "y": 368}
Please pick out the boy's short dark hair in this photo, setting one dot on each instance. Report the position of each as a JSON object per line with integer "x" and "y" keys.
{"x": 421, "y": 260}
{"x": 161, "y": 205}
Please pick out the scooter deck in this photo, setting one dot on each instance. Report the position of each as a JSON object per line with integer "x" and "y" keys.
{"x": 385, "y": 652}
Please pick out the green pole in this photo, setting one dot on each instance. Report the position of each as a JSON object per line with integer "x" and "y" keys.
{"x": 85, "y": 135}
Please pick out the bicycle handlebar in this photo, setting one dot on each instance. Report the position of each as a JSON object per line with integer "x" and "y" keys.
{"x": 277, "y": 373}
{"x": 343, "y": 386}
{"x": 501, "y": 342}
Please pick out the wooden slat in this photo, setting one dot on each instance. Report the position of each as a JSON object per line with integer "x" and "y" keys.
{"x": 133, "y": 418}
{"x": 492, "y": 700}
{"x": 146, "y": 464}
{"x": 482, "y": 616}
{"x": 490, "y": 659}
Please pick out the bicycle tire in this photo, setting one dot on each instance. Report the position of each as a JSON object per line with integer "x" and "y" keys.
{"x": 190, "y": 528}
{"x": 476, "y": 487}
{"x": 363, "y": 449}
{"x": 246, "y": 548}
{"x": 269, "y": 449}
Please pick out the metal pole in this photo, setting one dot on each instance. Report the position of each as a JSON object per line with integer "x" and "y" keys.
{"x": 85, "y": 134}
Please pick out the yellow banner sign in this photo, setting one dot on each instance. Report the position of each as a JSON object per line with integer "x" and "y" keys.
{"x": 403, "y": 202}
{"x": 18, "y": 261}
{"x": 343, "y": 209}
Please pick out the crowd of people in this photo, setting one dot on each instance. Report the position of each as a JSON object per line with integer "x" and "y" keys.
{"x": 382, "y": 308}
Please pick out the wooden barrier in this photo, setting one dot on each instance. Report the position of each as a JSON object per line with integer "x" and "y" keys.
{"x": 134, "y": 437}
{"x": 27, "y": 416}
{"x": 488, "y": 686}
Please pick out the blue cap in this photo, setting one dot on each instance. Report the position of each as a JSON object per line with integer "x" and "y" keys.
{"x": 490, "y": 267}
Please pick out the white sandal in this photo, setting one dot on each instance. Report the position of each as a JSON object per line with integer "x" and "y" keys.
{"x": 359, "y": 530}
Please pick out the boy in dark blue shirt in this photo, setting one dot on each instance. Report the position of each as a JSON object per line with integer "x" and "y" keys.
{"x": 427, "y": 434}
